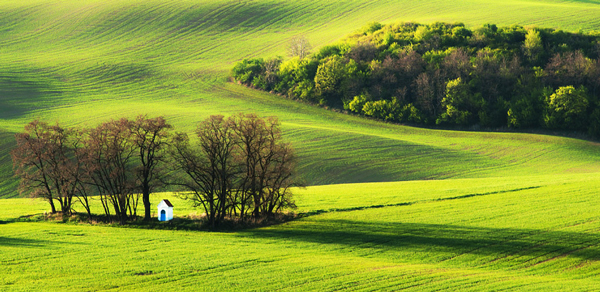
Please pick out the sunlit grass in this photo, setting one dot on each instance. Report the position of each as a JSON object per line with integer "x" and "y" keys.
{"x": 81, "y": 63}
{"x": 533, "y": 233}
{"x": 457, "y": 210}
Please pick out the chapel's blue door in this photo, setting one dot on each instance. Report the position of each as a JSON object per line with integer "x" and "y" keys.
{"x": 163, "y": 215}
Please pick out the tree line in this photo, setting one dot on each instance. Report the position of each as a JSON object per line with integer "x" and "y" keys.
{"x": 236, "y": 167}
{"x": 447, "y": 74}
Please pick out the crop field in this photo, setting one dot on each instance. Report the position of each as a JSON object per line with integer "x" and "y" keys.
{"x": 533, "y": 233}
{"x": 387, "y": 206}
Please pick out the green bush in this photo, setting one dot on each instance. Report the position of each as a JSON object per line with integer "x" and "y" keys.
{"x": 246, "y": 70}
{"x": 567, "y": 108}
{"x": 460, "y": 104}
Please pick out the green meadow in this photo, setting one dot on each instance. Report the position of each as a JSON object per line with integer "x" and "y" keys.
{"x": 387, "y": 207}
{"x": 83, "y": 62}
{"x": 532, "y": 233}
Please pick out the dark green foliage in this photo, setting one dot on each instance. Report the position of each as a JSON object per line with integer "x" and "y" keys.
{"x": 524, "y": 110}
{"x": 247, "y": 70}
{"x": 594, "y": 120}
{"x": 445, "y": 73}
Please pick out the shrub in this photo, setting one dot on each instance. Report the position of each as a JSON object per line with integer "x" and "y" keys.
{"x": 566, "y": 108}
{"x": 247, "y": 70}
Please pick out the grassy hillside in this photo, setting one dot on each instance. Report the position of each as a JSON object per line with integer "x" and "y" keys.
{"x": 483, "y": 211}
{"x": 82, "y": 63}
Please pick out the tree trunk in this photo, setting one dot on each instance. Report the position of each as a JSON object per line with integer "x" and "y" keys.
{"x": 146, "y": 200}
{"x": 52, "y": 206}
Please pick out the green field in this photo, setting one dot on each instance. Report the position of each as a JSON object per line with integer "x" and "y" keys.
{"x": 531, "y": 233}
{"x": 394, "y": 206}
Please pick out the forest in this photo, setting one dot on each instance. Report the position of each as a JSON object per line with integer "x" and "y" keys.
{"x": 445, "y": 74}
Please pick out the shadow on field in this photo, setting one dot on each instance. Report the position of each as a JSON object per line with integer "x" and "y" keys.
{"x": 23, "y": 242}
{"x": 115, "y": 73}
{"x": 441, "y": 242}
{"x": 19, "y": 94}
{"x": 379, "y": 159}
{"x": 8, "y": 183}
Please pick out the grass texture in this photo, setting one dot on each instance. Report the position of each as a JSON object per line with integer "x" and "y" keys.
{"x": 534, "y": 233}
{"x": 389, "y": 206}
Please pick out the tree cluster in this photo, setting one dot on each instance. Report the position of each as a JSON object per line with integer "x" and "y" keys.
{"x": 447, "y": 74}
{"x": 237, "y": 166}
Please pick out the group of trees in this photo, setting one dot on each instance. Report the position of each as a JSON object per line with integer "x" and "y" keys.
{"x": 447, "y": 74}
{"x": 237, "y": 167}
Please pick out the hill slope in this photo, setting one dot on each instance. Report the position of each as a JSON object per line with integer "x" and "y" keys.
{"x": 81, "y": 63}
{"x": 486, "y": 211}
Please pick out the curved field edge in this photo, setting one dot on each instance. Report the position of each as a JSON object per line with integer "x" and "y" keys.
{"x": 345, "y": 149}
{"x": 338, "y": 148}
{"x": 82, "y": 63}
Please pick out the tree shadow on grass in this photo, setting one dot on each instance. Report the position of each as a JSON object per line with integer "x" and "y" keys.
{"x": 442, "y": 242}
{"x": 24, "y": 242}
{"x": 380, "y": 159}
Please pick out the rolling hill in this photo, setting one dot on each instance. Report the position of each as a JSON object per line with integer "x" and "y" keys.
{"x": 81, "y": 63}
{"x": 390, "y": 206}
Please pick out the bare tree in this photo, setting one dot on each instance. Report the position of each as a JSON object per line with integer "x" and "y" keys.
{"x": 109, "y": 165}
{"x": 238, "y": 167}
{"x": 430, "y": 90}
{"x": 75, "y": 170}
{"x": 217, "y": 144}
{"x": 570, "y": 68}
{"x": 209, "y": 167}
{"x": 45, "y": 161}
{"x": 363, "y": 52}
{"x": 271, "y": 69}
{"x": 281, "y": 178}
{"x": 299, "y": 46}
{"x": 251, "y": 138}
{"x": 267, "y": 163}
{"x": 457, "y": 64}
{"x": 149, "y": 136}
{"x": 29, "y": 162}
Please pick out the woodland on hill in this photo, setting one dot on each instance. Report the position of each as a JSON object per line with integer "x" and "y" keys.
{"x": 446, "y": 74}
